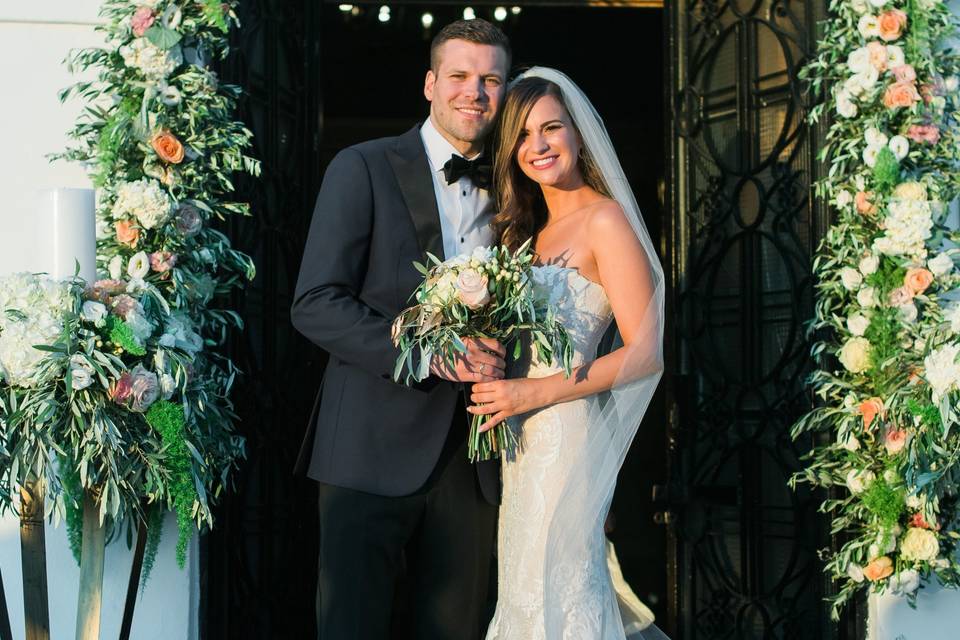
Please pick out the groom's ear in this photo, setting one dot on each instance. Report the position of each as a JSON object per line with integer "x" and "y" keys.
{"x": 428, "y": 83}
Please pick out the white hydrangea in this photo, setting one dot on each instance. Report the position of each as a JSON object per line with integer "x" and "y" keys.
{"x": 942, "y": 371}
{"x": 31, "y": 313}
{"x": 145, "y": 200}
{"x": 909, "y": 224}
{"x": 153, "y": 62}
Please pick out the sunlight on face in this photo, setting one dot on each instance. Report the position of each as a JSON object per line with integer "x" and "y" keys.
{"x": 549, "y": 146}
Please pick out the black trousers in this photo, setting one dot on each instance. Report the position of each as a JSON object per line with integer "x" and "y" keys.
{"x": 440, "y": 540}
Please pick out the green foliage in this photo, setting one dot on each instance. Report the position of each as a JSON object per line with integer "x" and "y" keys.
{"x": 885, "y": 503}
{"x": 154, "y": 515}
{"x": 167, "y": 418}
{"x": 886, "y": 172}
{"x": 122, "y": 336}
{"x": 883, "y": 333}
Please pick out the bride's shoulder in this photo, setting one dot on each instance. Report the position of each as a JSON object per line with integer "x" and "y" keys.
{"x": 607, "y": 217}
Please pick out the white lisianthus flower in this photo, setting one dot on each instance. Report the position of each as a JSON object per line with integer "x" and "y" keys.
{"x": 941, "y": 264}
{"x": 857, "y": 324}
{"x": 170, "y": 96}
{"x": 868, "y": 26}
{"x": 139, "y": 265}
{"x": 905, "y": 582}
{"x": 870, "y": 155}
{"x": 867, "y": 78}
{"x": 859, "y": 60}
{"x": 145, "y": 200}
{"x": 942, "y": 371}
{"x": 860, "y": 6}
{"x": 858, "y": 481}
{"x": 900, "y": 146}
{"x": 908, "y": 312}
{"x": 879, "y": 4}
{"x": 854, "y": 355}
{"x": 94, "y": 312}
{"x": 845, "y": 104}
{"x": 850, "y": 278}
{"x": 875, "y": 138}
{"x": 855, "y": 571}
{"x": 171, "y": 17}
{"x": 867, "y": 297}
{"x": 895, "y": 57}
{"x": 853, "y": 86}
{"x": 919, "y": 545}
{"x": 869, "y": 264}
{"x": 115, "y": 267}
{"x": 844, "y": 199}
{"x": 850, "y": 443}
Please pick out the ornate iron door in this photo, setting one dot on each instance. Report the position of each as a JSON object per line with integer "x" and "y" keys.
{"x": 743, "y": 231}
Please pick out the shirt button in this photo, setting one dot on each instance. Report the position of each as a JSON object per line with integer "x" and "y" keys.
{"x": 464, "y": 192}
{"x": 461, "y": 238}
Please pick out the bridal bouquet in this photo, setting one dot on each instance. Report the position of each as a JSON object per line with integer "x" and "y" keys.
{"x": 486, "y": 294}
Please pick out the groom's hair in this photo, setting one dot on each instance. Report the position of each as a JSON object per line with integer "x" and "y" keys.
{"x": 478, "y": 31}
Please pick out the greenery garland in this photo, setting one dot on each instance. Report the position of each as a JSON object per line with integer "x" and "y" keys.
{"x": 129, "y": 399}
{"x": 888, "y": 296}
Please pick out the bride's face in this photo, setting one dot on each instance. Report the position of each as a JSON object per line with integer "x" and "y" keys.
{"x": 549, "y": 146}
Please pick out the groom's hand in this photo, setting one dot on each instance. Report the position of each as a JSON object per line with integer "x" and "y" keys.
{"x": 483, "y": 362}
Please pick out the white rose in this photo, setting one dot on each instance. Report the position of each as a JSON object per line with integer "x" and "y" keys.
{"x": 859, "y": 60}
{"x": 869, "y": 264}
{"x": 845, "y": 105}
{"x": 870, "y": 155}
{"x": 919, "y": 545}
{"x": 895, "y": 57}
{"x": 867, "y": 297}
{"x": 844, "y": 199}
{"x": 868, "y": 26}
{"x": 858, "y": 481}
{"x": 905, "y": 582}
{"x": 482, "y": 254}
{"x": 875, "y": 138}
{"x": 139, "y": 266}
{"x": 855, "y": 572}
{"x": 941, "y": 370}
{"x": 857, "y": 324}
{"x": 80, "y": 378}
{"x": 94, "y": 313}
{"x": 851, "y": 278}
{"x": 854, "y": 355}
{"x": 908, "y": 313}
{"x": 941, "y": 264}
{"x": 115, "y": 268}
{"x": 867, "y": 78}
{"x": 443, "y": 289}
{"x": 900, "y": 146}
{"x": 472, "y": 289}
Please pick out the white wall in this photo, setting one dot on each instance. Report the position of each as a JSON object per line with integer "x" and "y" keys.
{"x": 34, "y": 39}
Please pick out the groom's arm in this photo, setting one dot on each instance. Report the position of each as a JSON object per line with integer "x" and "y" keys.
{"x": 326, "y": 306}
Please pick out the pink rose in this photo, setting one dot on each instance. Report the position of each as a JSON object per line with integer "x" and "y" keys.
{"x": 924, "y": 133}
{"x": 900, "y": 296}
{"x": 878, "y": 55}
{"x": 144, "y": 389}
{"x": 904, "y": 73}
{"x": 472, "y": 289}
{"x": 900, "y": 94}
{"x": 162, "y": 261}
{"x": 142, "y": 20}
{"x": 891, "y": 24}
{"x": 124, "y": 304}
{"x": 894, "y": 441}
{"x": 121, "y": 389}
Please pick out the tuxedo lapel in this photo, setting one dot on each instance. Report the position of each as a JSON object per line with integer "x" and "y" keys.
{"x": 412, "y": 169}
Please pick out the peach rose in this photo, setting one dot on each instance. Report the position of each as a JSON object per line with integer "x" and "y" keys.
{"x": 863, "y": 202}
{"x": 472, "y": 289}
{"x": 904, "y": 73}
{"x": 127, "y": 233}
{"x": 870, "y": 409}
{"x": 891, "y": 24}
{"x": 917, "y": 280}
{"x": 900, "y": 94}
{"x": 168, "y": 148}
{"x": 878, "y": 569}
{"x": 142, "y": 20}
{"x": 894, "y": 441}
{"x": 878, "y": 56}
{"x": 900, "y": 296}
{"x": 923, "y": 133}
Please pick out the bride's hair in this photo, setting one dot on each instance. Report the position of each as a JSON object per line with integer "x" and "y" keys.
{"x": 522, "y": 209}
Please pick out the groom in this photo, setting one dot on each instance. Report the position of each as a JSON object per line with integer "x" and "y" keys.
{"x": 394, "y": 481}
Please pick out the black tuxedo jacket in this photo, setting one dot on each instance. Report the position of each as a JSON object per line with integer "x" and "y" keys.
{"x": 375, "y": 215}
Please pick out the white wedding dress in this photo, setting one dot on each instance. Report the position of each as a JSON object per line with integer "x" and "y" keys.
{"x": 585, "y": 604}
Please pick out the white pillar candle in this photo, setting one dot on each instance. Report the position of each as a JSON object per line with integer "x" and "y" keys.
{"x": 68, "y": 228}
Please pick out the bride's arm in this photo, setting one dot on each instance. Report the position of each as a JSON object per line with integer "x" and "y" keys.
{"x": 625, "y": 276}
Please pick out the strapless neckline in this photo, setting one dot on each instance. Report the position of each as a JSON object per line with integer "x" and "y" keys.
{"x": 574, "y": 271}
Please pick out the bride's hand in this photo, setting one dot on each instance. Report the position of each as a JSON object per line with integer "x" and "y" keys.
{"x": 504, "y": 398}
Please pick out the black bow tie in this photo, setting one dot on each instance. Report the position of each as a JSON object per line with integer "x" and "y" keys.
{"x": 478, "y": 170}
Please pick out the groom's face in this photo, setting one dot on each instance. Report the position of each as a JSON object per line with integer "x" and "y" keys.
{"x": 465, "y": 91}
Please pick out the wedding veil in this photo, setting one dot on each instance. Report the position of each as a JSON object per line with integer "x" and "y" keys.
{"x": 585, "y": 499}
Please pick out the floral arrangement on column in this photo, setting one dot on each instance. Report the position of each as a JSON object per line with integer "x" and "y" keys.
{"x": 888, "y": 296}
{"x": 125, "y": 395}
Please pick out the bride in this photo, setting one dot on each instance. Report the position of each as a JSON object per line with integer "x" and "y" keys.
{"x": 559, "y": 181}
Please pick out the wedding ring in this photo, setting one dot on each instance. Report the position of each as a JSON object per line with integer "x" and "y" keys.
{"x": 483, "y": 367}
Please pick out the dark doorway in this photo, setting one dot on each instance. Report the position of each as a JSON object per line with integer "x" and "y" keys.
{"x": 319, "y": 77}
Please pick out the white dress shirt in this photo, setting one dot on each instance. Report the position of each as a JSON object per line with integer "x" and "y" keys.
{"x": 465, "y": 210}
